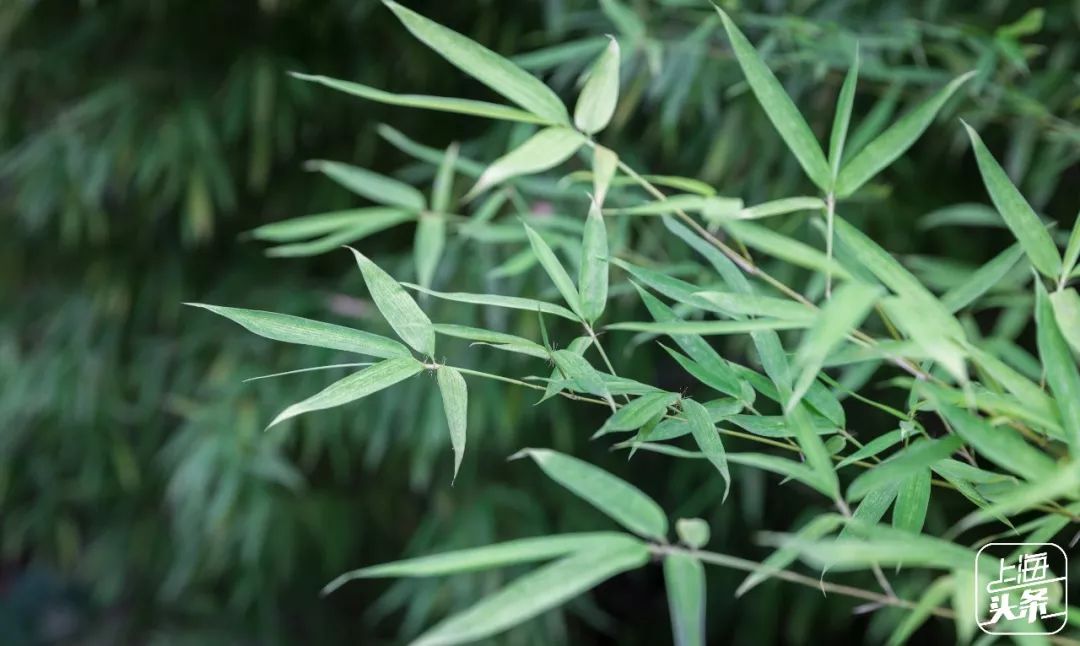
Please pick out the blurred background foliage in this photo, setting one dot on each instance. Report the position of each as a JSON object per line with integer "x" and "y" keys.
{"x": 140, "y": 500}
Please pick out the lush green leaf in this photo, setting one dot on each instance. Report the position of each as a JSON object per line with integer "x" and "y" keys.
{"x": 684, "y": 578}
{"x": 598, "y": 97}
{"x": 400, "y": 310}
{"x": 620, "y": 500}
{"x": 484, "y": 65}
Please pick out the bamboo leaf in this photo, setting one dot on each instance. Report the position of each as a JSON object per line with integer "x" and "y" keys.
{"x": 550, "y": 262}
{"x": 323, "y": 223}
{"x": 294, "y": 329}
{"x": 593, "y": 277}
{"x": 455, "y": 398}
{"x": 784, "y": 556}
{"x": 1016, "y": 211}
{"x": 496, "y": 300}
{"x": 546, "y": 149}
{"x": 895, "y": 141}
{"x": 920, "y": 454}
{"x": 778, "y": 106}
{"x": 872, "y": 448}
{"x": 684, "y": 578}
{"x": 912, "y": 499}
{"x": 605, "y": 162}
{"x": 484, "y": 65}
{"x": 982, "y": 280}
{"x": 781, "y": 207}
{"x": 738, "y": 305}
{"x": 623, "y": 502}
{"x": 357, "y": 385}
{"x": 491, "y": 337}
{"x": 399, "y": 309}
{"x": 813, "y": 448}
{"x": 1072, "y": 251}
{"x": 522, "y": 550}
{"x": 842, "y": 116}
{"x": 1061, "y": 371}
{"x": 428, "y": 246}
{"x": 1066, "y": 306}
{"x": 581, "y": 374}
{"x": 373, "y": 186}
{"x": 536, "y": 592}
{"x": 707, "y": 439}
{"x": 638, "y": 412}
{"x": 707, "y": 327}
{"x": 1001, "y": 445}
{"x": 784, "y": 248}
{"x": 598, "y": 97}
{"x": 849, "y": 305}
{"x": 439, "y": 103}
{"x": 938, "y": 592}
{"x": 370, "y": 224}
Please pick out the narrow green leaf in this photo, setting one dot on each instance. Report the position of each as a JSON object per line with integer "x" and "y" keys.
{"x": 781, "y": 207}
{"x": 439, "y": 103}
{"x": 359, "y": 384}
{"x": 707, "y": 327}
{"x": 784, "y": 556}
{"x": 321, "y": 223}
{"x": 1015, "y": 383}
{"x": 938, "y": 592}
{"x": 982, "y": 280}
{"x": 1016, "y": 211}
{"x": 813, "y": 448}
{"x": 491, "y": 337}
{"x": 455, "y": 398}
{"x": 428, "y": 246}
{"x": 717, "y": 375}
{"x": 546, "y": 149}
{"x": 1061, "y": 371}
{"x": 912, "y": 499}
{"x": 637, "y": 413}
{"x": 370, "y": 224}
{"x": 787, "y": 468}
{"x": 555, "y": 384}
{"x": 1066, "y": 305}
{"x": 536, "y": 592}
{"x": 1001, "y": 445}
{"x": 778, "y": 106}
{"x": 593, "y": 276}
{"x": 495, "y": 300}
{"x": 484, "y": 65}
{"x": 849, "y": 305}
{"x": 1072, "y": 251}
{"x": 918, "y": 455}
{"x": 707, "y": 439}
{"x": 785, "y": 248}
{"x": 399, "y": 309}
{"x": 842, "y": 116}
{"x": 442, "y": 189}
{"x": 605, "y": 162}
{"x": 693, "y": 532}
{"x": 488, "y": 557}
{"x": 293, "y": 329}
{"x": 598, "y": 97}
{"x": 550, "y": 262}
{"x": 581, "y": 374}
{"x": 684, "y": 578}
{"x": 623, "y": 502}
{"x": 738, "y": 305}
{"x": 895, "y": 141}
{"x": 373, "y": 186}
{"x": 872, "y": 448}
{"x": 919, "y": 323}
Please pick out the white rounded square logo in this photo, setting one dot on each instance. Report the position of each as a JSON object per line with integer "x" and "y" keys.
{"x": 1021, "y": 588}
